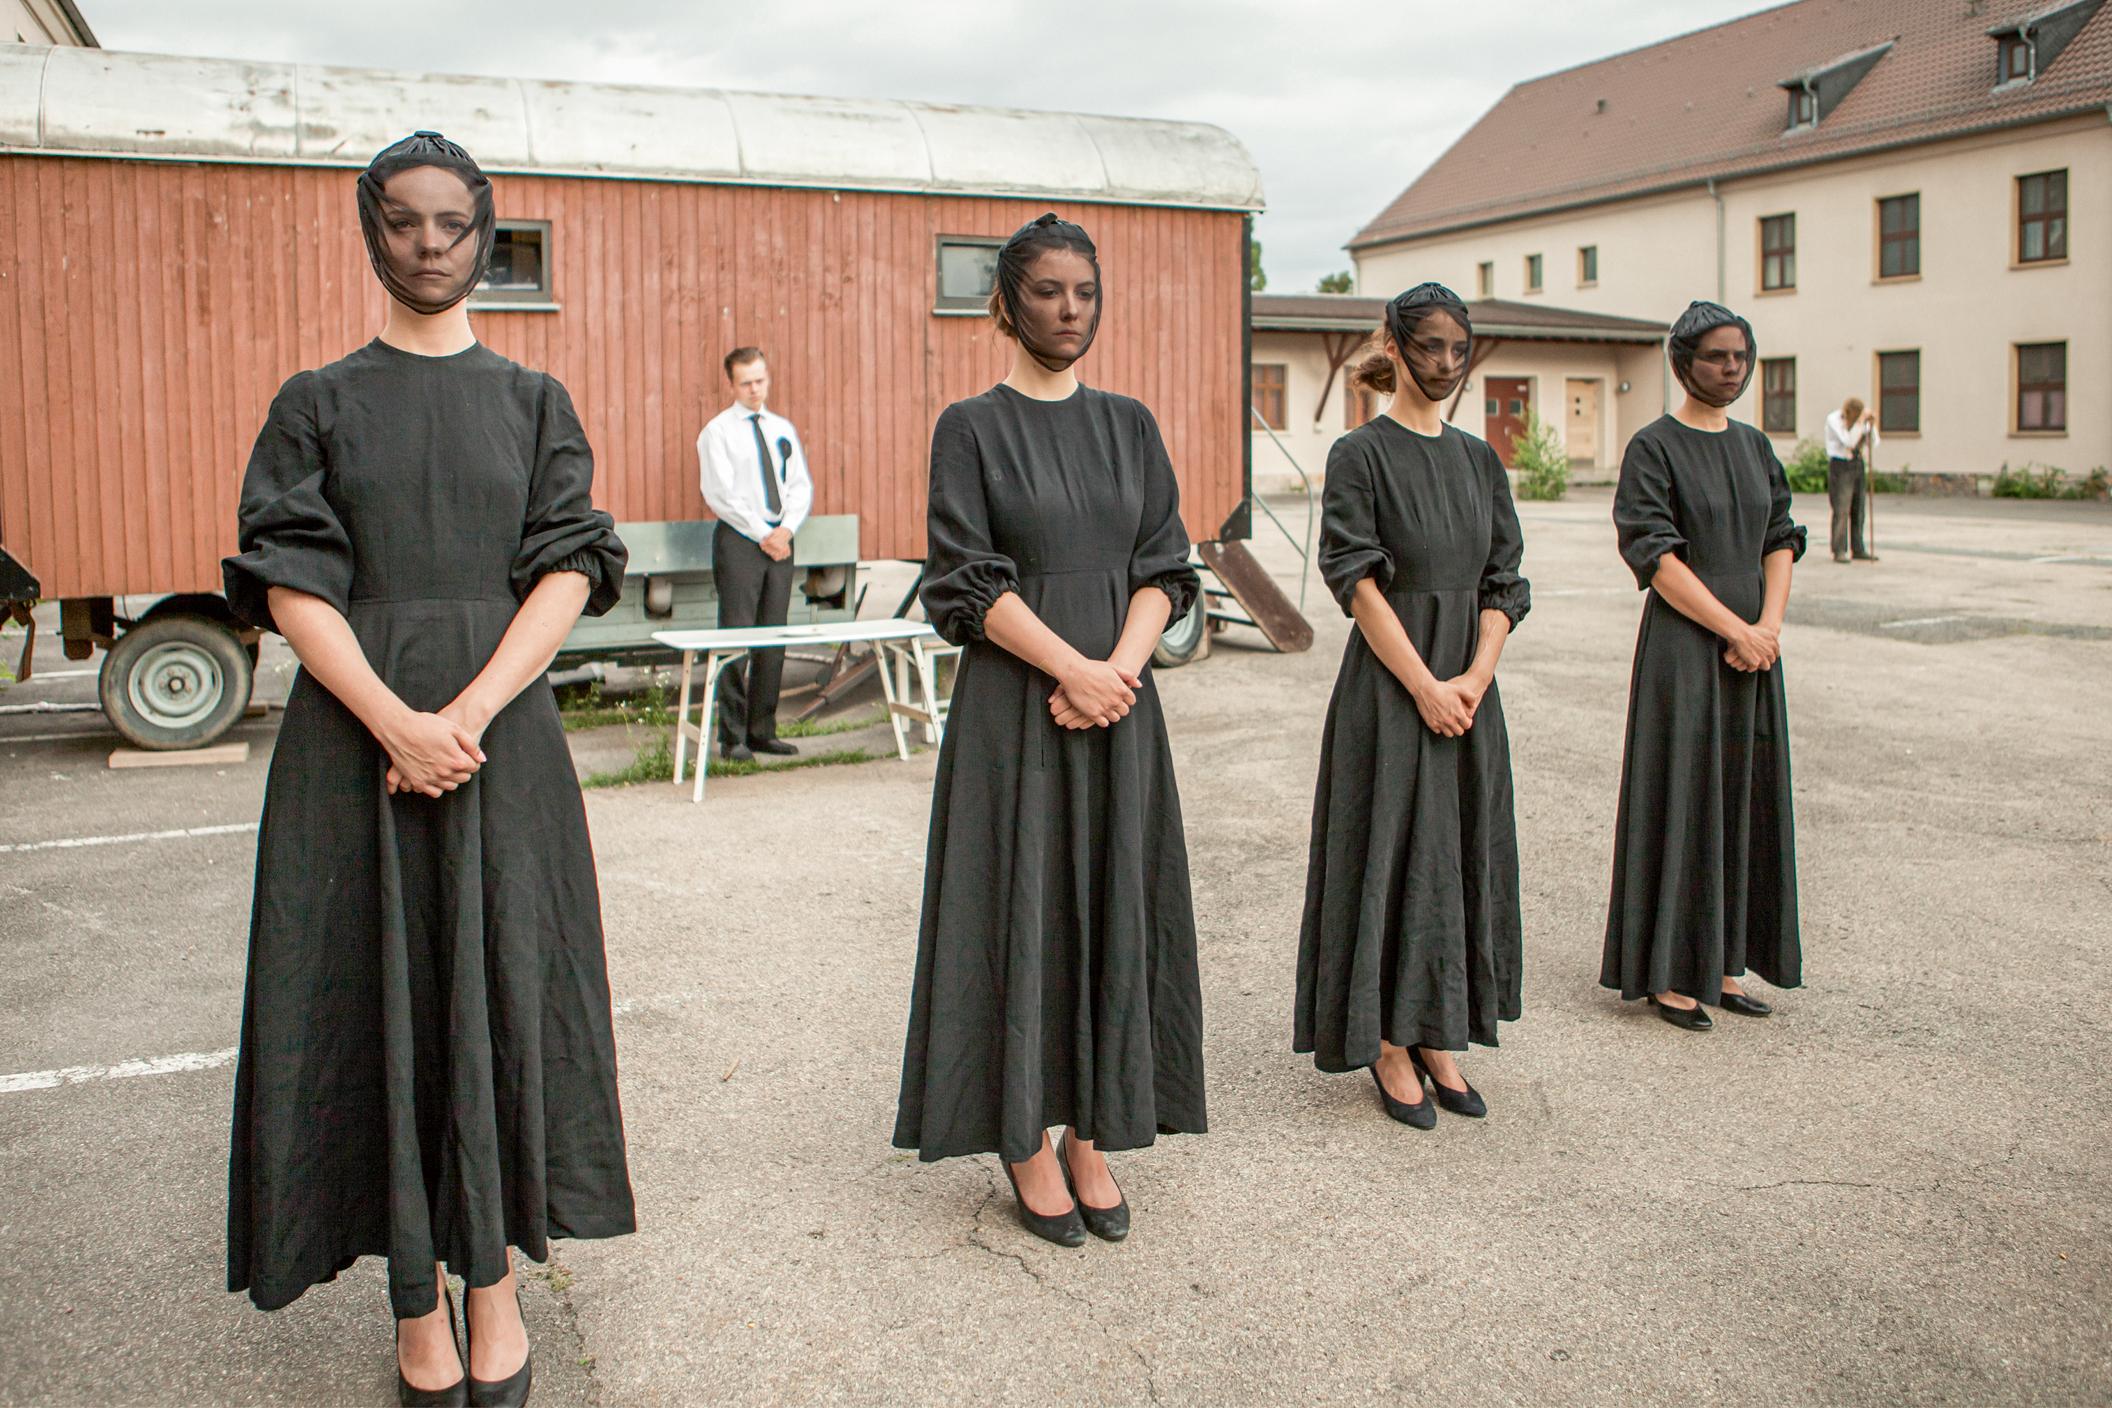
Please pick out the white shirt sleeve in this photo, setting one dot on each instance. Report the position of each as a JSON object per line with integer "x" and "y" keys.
{"x": 799, "y": 485}
{"x": 723, "y": 476}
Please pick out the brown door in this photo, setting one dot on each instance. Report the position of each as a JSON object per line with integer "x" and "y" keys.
{"x": 1506, "y": 401}
{"x": 1581, "y": 433}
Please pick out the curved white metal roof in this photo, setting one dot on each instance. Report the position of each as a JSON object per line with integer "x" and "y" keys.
{"x": 94, "y": 102}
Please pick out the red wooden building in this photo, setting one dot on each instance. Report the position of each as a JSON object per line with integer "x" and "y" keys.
{"x": 178, "y": 235}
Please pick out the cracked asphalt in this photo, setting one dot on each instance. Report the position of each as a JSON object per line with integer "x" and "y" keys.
{"x": 1896, "y": 1190}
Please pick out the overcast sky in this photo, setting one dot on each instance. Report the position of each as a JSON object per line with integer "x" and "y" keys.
{"x": 1341, "y": 105}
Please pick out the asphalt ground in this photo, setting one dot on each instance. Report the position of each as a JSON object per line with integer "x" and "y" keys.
{"x": 1895, "y": 1190}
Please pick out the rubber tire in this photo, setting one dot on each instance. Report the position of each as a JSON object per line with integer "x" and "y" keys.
{"x": 1185, "y": 639}
{"x": 216, "y": 640}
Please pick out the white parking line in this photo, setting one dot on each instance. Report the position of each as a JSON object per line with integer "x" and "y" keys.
{"x": 75, "y": 842}
{"x": 208, "y": 1060}
{"x": 1916, "y": 621}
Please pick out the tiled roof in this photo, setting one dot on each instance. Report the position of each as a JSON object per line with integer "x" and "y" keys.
{"x": 1493, "y": 317}
{"x": 1709, "y": 104}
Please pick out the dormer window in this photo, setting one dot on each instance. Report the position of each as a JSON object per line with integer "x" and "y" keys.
{"x": 1818, "y": 91}
{"x": 1803, "y": 108}
{"x": 2027, "y": 47}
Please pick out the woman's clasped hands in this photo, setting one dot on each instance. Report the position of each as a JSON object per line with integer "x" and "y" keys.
{"x": 1755, "y": 648}
{"x": 433, "y": 754}
{"x": 1094, "y": 694}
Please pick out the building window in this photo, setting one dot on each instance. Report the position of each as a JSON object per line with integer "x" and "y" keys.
{"x": 2013, "y": 61}
{"x": 519, "y": 271}
{"x": 1485, "y": 278}
{"x": 1778, "y": 395}
{"x": 1358, "y": 406}
{"x": 2042, "y": 386}
{"x": 2042, "y": 217}
{"x": 1532, "y": 273}
{"x": 1899, "y": 237}
{"x": 1587, "y": 266}
{"x": 1899, "y": 393}
{"x": 1270, "y": 393}
{"x": 967, "y": 273}
{"x": 1778, "y": 252}
{"x": 1803, "y": 108}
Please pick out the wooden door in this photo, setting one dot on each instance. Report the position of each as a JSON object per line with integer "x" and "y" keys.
{"x": 1580, "y": 431}
{"x": 1506, "y": 400}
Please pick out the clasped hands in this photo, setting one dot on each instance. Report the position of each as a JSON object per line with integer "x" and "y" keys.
{"x": 1753, "y": 649}
{"x": 1094, "y": 693}
{"x": 435, "y": 753}
{"x": 1448, "y": 706}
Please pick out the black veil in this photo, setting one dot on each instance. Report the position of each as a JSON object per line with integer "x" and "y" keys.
{"x": 1028, "y": 243}
{"x": 1426, "y": 363}
{"x": 1708, "y": 384}
{"x": 423, "y": 149}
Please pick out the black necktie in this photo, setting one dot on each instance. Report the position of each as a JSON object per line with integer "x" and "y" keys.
{"x": 762, "y": 455}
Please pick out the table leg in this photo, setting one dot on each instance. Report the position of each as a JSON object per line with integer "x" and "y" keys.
{"x": 928, "y": 679}
{"x": 890, "y": 658}
{"x": 682, "y": 717}
{"x": 716, "y": 661}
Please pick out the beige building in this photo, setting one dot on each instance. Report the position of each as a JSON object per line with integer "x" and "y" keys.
{"x": 1910, "y": 199}
{"x": 44, "y": 22}
{"x": 1594, "y": 375}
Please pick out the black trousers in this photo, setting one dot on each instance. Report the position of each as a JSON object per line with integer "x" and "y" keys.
{"x": 753, "y": 591}
{"x": 1844, "y": 490}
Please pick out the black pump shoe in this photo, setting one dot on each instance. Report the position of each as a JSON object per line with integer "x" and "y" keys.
{"x": 509, "y": 1392}
{"x": 1421, "y": 1115}
{"x": 1466, "y": 1102}
{"x": 1745, "y": 1006}
{"x": 1065, "y": 1229}
{"x": 1108, "y": 1224}
{"x": 775, "y": 747}
{"x": 455, "y": 1394}
{"x": 1694, "y": 1019}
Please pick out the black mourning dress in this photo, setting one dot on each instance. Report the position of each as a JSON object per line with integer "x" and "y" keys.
{"x": 427, "y": 1069}
{"x": 1411, "y": 926}
{"x": 1056, "y": 977}
{"x": 1704, "y": 855}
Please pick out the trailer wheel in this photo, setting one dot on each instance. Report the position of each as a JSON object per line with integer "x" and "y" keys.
{"x": 176, "y": 681}
{"x": 1183, "y": 640}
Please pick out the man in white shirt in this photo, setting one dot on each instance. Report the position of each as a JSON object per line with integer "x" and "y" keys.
{"x": 1847, "y": 431}
{"x": 755, "y": 479}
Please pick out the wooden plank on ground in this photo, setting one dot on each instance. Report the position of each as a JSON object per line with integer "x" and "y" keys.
{"x": 218, "y": 754}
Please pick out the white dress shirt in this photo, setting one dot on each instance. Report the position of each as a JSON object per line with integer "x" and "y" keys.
{"x": 1842, "y": 441}
{"x": 731, "y": 473}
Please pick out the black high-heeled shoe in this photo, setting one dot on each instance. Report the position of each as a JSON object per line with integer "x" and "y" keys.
{"x": 1065, "y": 1229}
{"x": 1745, "y": 1006}
{"x": 1466, "y": 1102}
{"x": 509, "y": 1392}
{"x": 1108, "y": 1224}
{"x": 1694, "y": 1019}
{"x": 1420, "y": 1115}
{"x": 455, "y": 1394}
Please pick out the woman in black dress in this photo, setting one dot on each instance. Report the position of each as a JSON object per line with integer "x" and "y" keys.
{"x": 1704, "y": 852}
{"x": 1056, "y": 980}
{"x": 427, "y": 1068}
{"x": 1410, "y": 947}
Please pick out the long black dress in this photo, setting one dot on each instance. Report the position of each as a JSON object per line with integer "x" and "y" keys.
{"x": 427, "y": 1068}
{"x": 1056, "y": 978}
{"x": 1704, "y": 852}
{"x": 1411, "y": 928}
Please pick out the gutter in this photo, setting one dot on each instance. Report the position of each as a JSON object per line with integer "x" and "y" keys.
{"x": 1717, "y": 196}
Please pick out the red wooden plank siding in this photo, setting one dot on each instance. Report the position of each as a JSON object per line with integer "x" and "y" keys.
{"x": 145, "y": 348}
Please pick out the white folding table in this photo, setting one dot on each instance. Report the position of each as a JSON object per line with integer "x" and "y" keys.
{"x": 909, "y": 644}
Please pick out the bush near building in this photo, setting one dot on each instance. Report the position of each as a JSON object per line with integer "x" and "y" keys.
{"x": 1540, "y": 458}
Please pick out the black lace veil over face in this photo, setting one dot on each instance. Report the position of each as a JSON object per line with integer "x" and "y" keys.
{"x": 428, "y": 246}
{"x": 1039, "y": 320}
{"x": 1713, "y": 375}
{"x": 1437, "y": 356}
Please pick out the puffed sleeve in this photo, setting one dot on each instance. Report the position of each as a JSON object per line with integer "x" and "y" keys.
{"x": 562, "y": 530}
{"x": 1782, "y": 532}
{"x": 1503, "y": 587}
{"x": 288, "y": 532}
{"x": 1350, "y": 549}
{"x": 1160, "y": 557}
{"x": 964, "y": 573}
{"x": 1644, "y": 514}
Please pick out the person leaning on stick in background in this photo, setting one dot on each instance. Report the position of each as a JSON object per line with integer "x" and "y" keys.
{"x": 755, "y": 479}
{"x": 1848, "y": 431}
